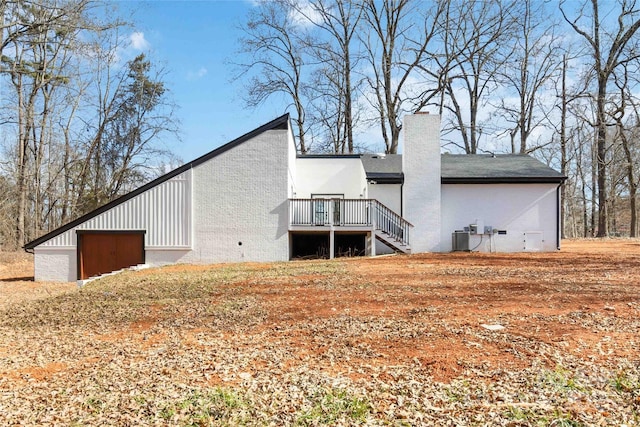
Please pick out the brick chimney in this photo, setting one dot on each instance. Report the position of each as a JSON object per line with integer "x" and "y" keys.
{"x": 421, "y": 189}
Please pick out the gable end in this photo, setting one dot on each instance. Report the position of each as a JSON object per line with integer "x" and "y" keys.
{"x": 280, "y": 123}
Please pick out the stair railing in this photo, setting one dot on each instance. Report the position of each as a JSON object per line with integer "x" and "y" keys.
{"x": 350, "y": 212}
{"x": 390, "y": 223}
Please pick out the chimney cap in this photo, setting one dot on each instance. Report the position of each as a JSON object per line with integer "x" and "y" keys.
{"x": 421, "y": 112}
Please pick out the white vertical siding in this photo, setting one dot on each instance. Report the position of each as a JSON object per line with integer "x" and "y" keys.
{"x": 164, "y": 211}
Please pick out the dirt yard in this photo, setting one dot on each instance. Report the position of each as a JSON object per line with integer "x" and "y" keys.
{"x": 433, "y": 339}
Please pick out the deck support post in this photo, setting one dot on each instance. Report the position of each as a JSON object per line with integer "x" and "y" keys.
{"x": 372, "y": 243}
{"x": 372, "y": 239}
{"x": 331, "y": 243}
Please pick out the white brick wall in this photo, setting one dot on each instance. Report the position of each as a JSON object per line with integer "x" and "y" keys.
{"x": 55, "y": 264}
{"x": 240, "y": 203}
{"x": 421, "y": 167}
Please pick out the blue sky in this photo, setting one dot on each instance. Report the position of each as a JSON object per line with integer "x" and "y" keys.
{"x": 195, "y": 41}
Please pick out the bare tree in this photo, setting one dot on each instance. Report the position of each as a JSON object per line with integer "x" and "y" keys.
{"x": 333, "y": 50}
{"x": 533, "y": 62}
{"x": 52, "y": 70}
{"x": 632, "y": 157}
{"x": 36, "y": 43}
{"x": 566, "y": 129}
{"x": 397, "y": 46}
{"x": 133, "y": 113}
{"x": 273, "y": 42}
{"x": 477, "y": 44}
{"x": 626, "y": 133}
{"x": 609, "y": 48}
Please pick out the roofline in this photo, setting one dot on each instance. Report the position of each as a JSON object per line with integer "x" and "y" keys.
{"x": 328, "y": 156}
{"x": 279, "y": 123}
{"x": 504, "y": 180}
{"x": 386, "y": 177}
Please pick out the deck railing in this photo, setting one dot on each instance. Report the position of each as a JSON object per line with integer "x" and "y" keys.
{"x": 349, "y": 213}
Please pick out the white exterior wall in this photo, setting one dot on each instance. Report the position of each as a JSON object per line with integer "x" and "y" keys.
{"x": 291, "y": 163}
{"x": 520, "y": 209}
{"x": 164, "y": 211}
{"x": 421, "y": 167}
{"x": 330, "y": 176}
{"x": 387, "y": 194}
{"x": 240, "y": 203}
{"x": 59, "y": 264}
{"x": 55, "y": 264}
{"x": 202, "y": 215}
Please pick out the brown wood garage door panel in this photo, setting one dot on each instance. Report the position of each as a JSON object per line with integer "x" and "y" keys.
{"x": 104, "y": 252}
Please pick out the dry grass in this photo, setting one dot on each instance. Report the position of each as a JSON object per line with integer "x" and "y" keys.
{"x": 395, "y": 340}
{"x": 16, "y": 281}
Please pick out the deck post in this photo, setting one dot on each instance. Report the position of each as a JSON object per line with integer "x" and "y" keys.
{"x": 372, "y": 242}
{"x": 373, "y": 229}
{"x": 331, "y": 231}
{"x": 331, "y": 243}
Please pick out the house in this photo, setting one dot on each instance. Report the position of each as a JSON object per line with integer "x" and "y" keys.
{"x": 255, "y": 199}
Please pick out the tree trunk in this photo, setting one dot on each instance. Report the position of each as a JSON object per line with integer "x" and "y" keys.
{"x": 633, "y": 187}
{"x": 601, "y": 161}
{"x": 594, "y": 193}
{"x": 563, "y": 144}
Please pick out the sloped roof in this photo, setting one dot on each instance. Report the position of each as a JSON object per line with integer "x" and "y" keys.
{"x": 281, "y": 122}
{"x": 461, "y": 168}
{"x": 499, "y": 168}
{"x": 383, "y": 168}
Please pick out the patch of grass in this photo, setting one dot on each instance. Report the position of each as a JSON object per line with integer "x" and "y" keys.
{"x": 458, "y": 391}
{"x": 119, "y": 299}
{"x": 94, "y": 404}
{"x": 516, "y": 413}
{"x": 167, "y": 413}
{"x": 296, "y": 268}
{"x": 626, "y": 382}
{"x": 564, "y": 420}
{"x": 562, "y": 380}
{"x": 129, "y": 296}
{"x": 218, "y": 406}
{"x": 332, "y": 406}
{"x": 529, "y": 417}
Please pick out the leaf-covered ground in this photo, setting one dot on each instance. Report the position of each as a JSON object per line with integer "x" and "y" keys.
{"x": 387, "y": 341}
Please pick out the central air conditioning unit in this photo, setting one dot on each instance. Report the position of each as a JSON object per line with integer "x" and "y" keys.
{"x": 460, "y": 240}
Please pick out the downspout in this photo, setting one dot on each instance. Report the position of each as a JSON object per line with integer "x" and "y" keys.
{"x": 402, "y": 195}
{"x": 558, "y": 219}
{"x": 401, "y": 201}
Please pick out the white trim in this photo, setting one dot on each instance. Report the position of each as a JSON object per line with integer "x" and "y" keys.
{"x": 190, "y": 203}
{"x": 168, "y": 248}
{"x": 155, "y": 248}
{"x": 54, "y": 248}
